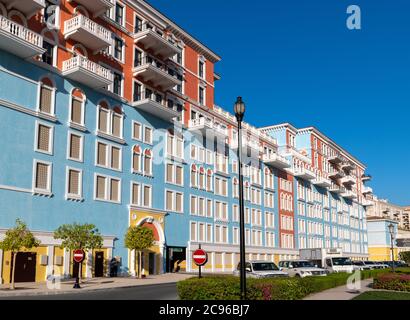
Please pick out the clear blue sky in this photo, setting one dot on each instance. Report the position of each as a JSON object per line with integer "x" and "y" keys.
{"x": 296, "y": 61}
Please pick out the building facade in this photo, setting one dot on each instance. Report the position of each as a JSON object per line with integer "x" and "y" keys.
{"x": 384, "y": 209}
{"x": 107, "y": 116}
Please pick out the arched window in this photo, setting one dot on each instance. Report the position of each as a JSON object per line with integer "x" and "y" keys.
{"x": 209, "y": 180}
{"x": 77, "y": 106}
{"x": 136, "y": 159}
{"x": 148, "y": 162}
{"x": 46, "y": 101}
{"x": 235, "y": 182}
{"x": 202, "y": 178}
{"x": 194, "y": 176}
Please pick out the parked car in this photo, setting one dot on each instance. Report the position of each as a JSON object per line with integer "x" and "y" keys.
{"x": 361, "y": 265}
{"x": 397, "y": 264}
{"x": 302, "y": 268}
{"x": 378, "y": 265}
{"x": 261, "y": 269}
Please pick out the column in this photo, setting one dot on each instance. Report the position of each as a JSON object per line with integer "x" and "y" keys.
{"x": 109, "y": 257}
{"x": 213, "y": 261}
{"x": 223, "y": 262}
{"x": 89, "y": 264}
{"x": 67, "y": 258}
{"x": 1, "y": 266}
{"x": 50, "y": 264}
{"x": 132, "y": 263}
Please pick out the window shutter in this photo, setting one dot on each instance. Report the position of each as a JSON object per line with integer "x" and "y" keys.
{"x": 136, "y": 194}
{"x": 101, "y": 187}
{"x": 74, "y": 182}
{"x": 178, "y": 202}
{"x": 169, "y": 172}
{"x": 102, "y": 154}
{"x": 147, "y": 196}
{"x": 179, "y": 177}
{"x": 43, "y": 138}
{"x": 114, "y": 196}
{"x": 42, "y": 176}
{"x": 45, "y": 100}
{"x": 147, "y": 165}
{"x": 116, "y": 125}
{"x": 76, "y": 111}
{"x": 75, "y": 146}
{"x": 137, "y": 131}
{"x": 115, "y": 158}
{"x": 136, "y": 162}
{"x": 103, "y": 121}
{"x": 169, "y": 200}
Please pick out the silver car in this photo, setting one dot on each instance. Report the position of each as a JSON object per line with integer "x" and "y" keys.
{"x": 261, "y": 269}
{"x": 302, "y": 268}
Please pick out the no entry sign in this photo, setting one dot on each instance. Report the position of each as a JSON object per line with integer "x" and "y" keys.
{"x": 200, "y": 257}
{"x": 79, "y": 256}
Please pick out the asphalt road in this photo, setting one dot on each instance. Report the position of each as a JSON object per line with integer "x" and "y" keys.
{"x": 149, "y": 292}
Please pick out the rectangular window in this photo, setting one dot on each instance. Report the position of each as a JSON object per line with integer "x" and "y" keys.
{"x": 107, "y": 189}
{"x": 103, "y": 120}
{"x": 193, "y": 231}
{"x": 100, "y": 188}
{"x": 42, "y": 178}
{"x": 136, "y": 194}
{"x": 117, "y": 84}
{"x": 201, "y": 98}
{"x": 46, "y": 100}
{"x": 147, "y": 197}
{"x": 119, "y": 14}
{"x": 77, "y": 111}
{"x": 115, "y": 158}
{"x": 102, "y": 154}
{"x": 75, "y": 148}
{"x": 116, "y": 125}
{"x": 74, "y": 183}
{"x": 48, "y": 55}
{"x": 115, "y": 190}
{"x": 148, "y": 135}
{"x": 138, "y": 24}
{"x": 44, "y": 138}
{"x": 179, "y": 175}
{"x": 201, "y": 68}
{"x": 137, "y": 131}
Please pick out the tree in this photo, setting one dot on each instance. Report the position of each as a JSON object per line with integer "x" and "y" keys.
{"x": 79, "y": 236}
{"x": 405, "y": 256}
{"x": 139, "y": 239}
{"x": 17, "y": 239}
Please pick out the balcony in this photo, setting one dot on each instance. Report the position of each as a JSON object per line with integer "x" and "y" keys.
{"x": 207, "y": 128}
{"x": 367, "y": 190}
{"x": 82, "y": 70}
{"x": 154, "y": 104}
{"x": 322, "y": 182}
{"x": 348, "y": 194}
{"x": 87, "y": 32}
{"x": 336, "y": 189}
{"x": 277, "y": 161}
{"x": 248, "y": 144}
{"x": 347, "y": 166}
{"x": 367, "y": 203}
{"x": 336, "y": 159}
{"x": 304, "y": 173}
{"x": 348, "y": 180}
{"x": 96, "y": 7}
{"x": 27, "y": 7}
{"x": 19, "y": 40}
{"x": 366, "y": 177}
{"x": 336, "y": 175}
{"x": 155, "y": 73}
{"x": 157, "y": 44}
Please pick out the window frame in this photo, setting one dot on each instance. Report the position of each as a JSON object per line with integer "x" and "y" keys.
{"x": 47, "y": 191}
{"x": 68, "y": 195}
{"x": 51, "y": 138}
{"x": 69, "y": 134}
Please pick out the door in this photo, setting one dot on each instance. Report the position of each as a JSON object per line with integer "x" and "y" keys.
{"x": 151, "y": 268}
{"x": 25, "y": 267}
{"x": 99, "y": 264}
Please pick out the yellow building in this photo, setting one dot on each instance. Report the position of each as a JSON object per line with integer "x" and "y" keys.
{"x": 379, "y": 239}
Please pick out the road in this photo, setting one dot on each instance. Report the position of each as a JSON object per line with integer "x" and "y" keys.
{"x": 149, "y": 292}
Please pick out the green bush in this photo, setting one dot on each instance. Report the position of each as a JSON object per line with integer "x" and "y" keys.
{"x": 228, "y": 287}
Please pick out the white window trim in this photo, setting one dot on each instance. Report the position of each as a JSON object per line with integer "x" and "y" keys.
{"x": 51, "y": 138}
{"x": 82, "y": 111}
{"x": 140, "y": 163}
{"x": 107, "y": 188}
{"x": 190, "y": 205}
{"x": 151, "y": 173}
{"x": 143, "y": 186}
{"x": 109, "y": 132}
{"x": 122, "y": 60}
{"x": 68, "y": 196}
{"x": 108, "y": 156}
{"x": 81, "y": 146}
{"x": 48, "y": 191}
{"x": 173, "y": 207}
{"x": 53, "y": 98}
{"x": 133, "y": 131}
{"x": 191, "y": 223}
{"x": 132, "y": 183}
{"x": 152, "y": 135}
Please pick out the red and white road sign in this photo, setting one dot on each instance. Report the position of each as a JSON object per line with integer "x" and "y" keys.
{"x": 200, "y": 257}
{"x": 79, "y": 256}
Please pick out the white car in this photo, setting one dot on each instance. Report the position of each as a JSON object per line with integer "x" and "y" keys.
{"x": 361, "y": 266}
{"x": 261, "y": 269}
{"x": 302, "y": 268}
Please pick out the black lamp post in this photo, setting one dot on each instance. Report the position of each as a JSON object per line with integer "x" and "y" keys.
{"x": 391, "y": 231}
{"x": 239, "y": 109}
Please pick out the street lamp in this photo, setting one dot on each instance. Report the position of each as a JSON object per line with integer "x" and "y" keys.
{"x": 391, "y": 231}
{"x": 239, "y": 110}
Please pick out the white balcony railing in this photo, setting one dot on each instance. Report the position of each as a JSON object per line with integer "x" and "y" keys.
{"x": 21, "y": 32}
{"x": 276, "y": 160}
{"x": 205, "y": 123}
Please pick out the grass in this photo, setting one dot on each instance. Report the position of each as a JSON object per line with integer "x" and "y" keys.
{"x": 383, "y": 295}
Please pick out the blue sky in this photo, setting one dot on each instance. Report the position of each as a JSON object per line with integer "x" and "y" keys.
{"x": 296, "y": 61}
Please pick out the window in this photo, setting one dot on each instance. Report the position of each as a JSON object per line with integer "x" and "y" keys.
{"x": 193, "y": 231}
{"x": 209, "y": 208}
{"x": 135, "y": 194}
{"x": 136, "y": 160}
{"x": 194, "y": 205}
{"x": 74, "y": 184}
{"x": 194, "y": 177}
{"x": 147, "y": 196}
{"x": 147, "y": 135}
{"x": 174, "y": 201}
{"x": 42, "y": 177}
{"x": 75, "y": 147}
{"x": 201, "y": 98}
{"x": 148, "y": 163}
{"x": 48, "y": 55}
{"x": 77, "y": 111}
{"x": 117, "y": 84}
{"x": 174, "y": 174}
{"x": 47, "y": 96}
{"x": 51, "y": 14}
{"x": 209, "y": 181}
{"x": 138, "y": 24}
{"x": 136, "y": 131}
{"x": 110, "y": 121}
{"x": 44, "y": 138}
{"x": 175, "y": 145}
{"x": 119, "y": 49}
{"x": 107, "y": 189}
{"x": 201, "y": 69}
{"x": 108, "y": 156}
{"x": 119, "y": 14}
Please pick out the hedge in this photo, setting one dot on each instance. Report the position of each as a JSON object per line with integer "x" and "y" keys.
{"x": 392, "y": 281}
{"x": 228, "y": 287}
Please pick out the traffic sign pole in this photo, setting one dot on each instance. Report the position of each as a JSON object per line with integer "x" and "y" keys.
{"x": 79, "y": 256}
{"x": 200, "y": 267}
{"x": 200, "y": 258}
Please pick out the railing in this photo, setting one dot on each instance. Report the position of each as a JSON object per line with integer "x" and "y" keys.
{"x": 157, "y": 64}
{"x": 275, "y": 157}
{"x": 83, "y": 62}
{"x": 21, "y": 32}
{"x": 153, "y": 96}
{"x": 81, "y": 21}
{"x": 303, "y": 170}
{"x": 207, "y": 123}
{"x": 147, "y": 26}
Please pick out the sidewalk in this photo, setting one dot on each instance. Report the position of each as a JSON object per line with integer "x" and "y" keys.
{"x": 40, "y": 288}
{"x": 341, "y": 293}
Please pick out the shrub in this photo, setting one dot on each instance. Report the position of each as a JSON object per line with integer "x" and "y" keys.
{"x": 228, "y": 287}
{"x": 393, "y": 281}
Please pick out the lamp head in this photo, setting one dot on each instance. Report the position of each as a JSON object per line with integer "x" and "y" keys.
{"x": 239, "y": 109}
{"x": 391, "y": 228}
